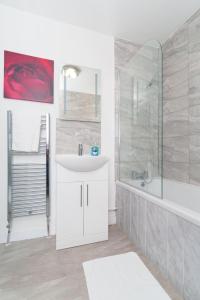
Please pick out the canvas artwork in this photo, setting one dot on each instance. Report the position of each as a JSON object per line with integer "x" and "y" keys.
{"x": 28, "y": 78}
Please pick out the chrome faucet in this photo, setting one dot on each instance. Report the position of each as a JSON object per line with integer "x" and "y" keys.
{"x": 139, "y": 175}
{"x": 80, "y": 149}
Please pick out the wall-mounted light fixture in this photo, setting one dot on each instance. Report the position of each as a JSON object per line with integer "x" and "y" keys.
{"x": 71, "y": 71}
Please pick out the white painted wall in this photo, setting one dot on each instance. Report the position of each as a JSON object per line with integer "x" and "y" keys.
{"x": 30, "y": 34}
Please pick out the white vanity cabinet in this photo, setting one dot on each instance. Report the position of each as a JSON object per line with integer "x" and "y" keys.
{"x": 82, "y": 207}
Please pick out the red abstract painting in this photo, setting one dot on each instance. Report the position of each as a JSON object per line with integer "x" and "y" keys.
{"x": 28, "y": 77}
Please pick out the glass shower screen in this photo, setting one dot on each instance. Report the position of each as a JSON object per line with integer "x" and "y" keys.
{"x": 140, "y": 121}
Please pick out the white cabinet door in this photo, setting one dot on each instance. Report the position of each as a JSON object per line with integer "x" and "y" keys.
{"x": 69, "y": 213}
{"x": 95, "y": 207}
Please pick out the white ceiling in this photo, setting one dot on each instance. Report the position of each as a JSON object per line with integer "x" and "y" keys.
{"x": 134, "y": 20}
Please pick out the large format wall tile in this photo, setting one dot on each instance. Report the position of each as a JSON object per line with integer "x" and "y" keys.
{"x": 177, "y": 91}
{"x": 175, "y": 85}
{"x": 119, "y": 206}
{"x": 177, "y": 42}
{"x": 71, "y": 133}
{"x": 176, "y": 171}
{"x": 176, "y": 149}
{"x": 175, "y": 105}
{"x": 194, "y": 31}
{"x": 173, "y": 128}
{"x": 133, "y": 232}
{"x": 126, "y": 221}
{"x": 175, "y": 65}
{"x": 156, "y": 233}
{"x": 124, "y": 51}
{"x": 142, "y": 228}
{"x": 194, "y": 173}
{"x": 137, "y": 231}
{"x": 191, "y": 262}
{"x": 175, "y": 124}
{"x": 194, "y": 63}
{"x": 123, "y": 208}
{"x": 194, "y": 148}
{"x": 194, "y": 119}
{"x": 174, "y": 61}
{"x": 194, "y": 98}
{"x": 175, "y": 260}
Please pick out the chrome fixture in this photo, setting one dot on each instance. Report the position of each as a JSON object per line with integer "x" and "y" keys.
{"x": 28, "y": 182}
{"x": 80, "y": 149}
{"x": 139, "y": 175}
{"x": 149, "y": 84}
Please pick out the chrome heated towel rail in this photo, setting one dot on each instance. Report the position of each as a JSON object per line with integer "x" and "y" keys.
{"x": 28, "y": 178}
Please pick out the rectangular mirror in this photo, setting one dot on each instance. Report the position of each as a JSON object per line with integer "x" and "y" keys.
{"x": 80, "y": 97}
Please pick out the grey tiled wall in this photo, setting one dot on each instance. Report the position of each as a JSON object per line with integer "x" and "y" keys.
{"x": 71, "y": 133}
{"x": 169, "y": 241}
{"x": 181, "y": 102}
{"x": 181, "y": 95}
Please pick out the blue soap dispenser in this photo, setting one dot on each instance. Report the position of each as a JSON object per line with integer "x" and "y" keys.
{"x": 94, "y": 150}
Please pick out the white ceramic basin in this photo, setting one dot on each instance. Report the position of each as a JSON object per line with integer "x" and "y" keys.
{"x": 84, "y": 163}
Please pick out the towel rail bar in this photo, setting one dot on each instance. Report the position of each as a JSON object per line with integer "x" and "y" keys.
{"x": 39, "y": 206}
{"x": 21, "y": 195}
{"x": 39, "y": 179}
{"x": 29, "y": 187}
{"x": 24, "y": 168}
{"x": 17, "y": 215}
{"x": 29, "y": 206}
{"x": 18, "y": 204}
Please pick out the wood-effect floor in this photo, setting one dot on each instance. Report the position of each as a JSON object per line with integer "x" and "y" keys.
{"x": 33, "y": 269}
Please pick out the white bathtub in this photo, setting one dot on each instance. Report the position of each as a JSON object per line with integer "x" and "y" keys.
{"x": 153, "y": 188}
{"x": 186, "y": 195}
{"x": 180, "y": 198}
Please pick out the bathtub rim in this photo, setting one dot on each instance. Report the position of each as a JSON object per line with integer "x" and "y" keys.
{"x": 170, "y": 206}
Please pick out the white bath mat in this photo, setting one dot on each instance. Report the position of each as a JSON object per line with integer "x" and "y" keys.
{"x": 121, "y": 277}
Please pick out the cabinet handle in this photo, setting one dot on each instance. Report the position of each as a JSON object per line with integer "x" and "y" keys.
{"x": 87, "y": 195}
{"x": 81, "y": 198}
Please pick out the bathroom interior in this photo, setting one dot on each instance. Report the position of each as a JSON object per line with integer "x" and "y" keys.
{"x": 100, "y": 150}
